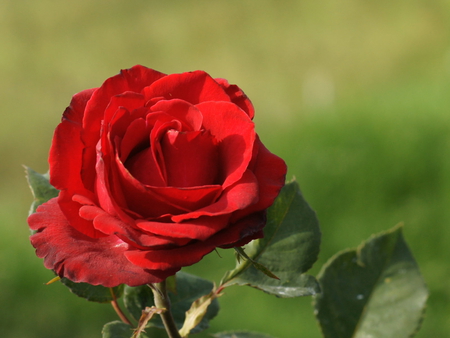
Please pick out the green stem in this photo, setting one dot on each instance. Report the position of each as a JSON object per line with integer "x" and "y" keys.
{"x": 162, "y": 301}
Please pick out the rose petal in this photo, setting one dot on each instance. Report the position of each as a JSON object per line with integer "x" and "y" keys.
{"x": 135, "y": 138}
{"x": 187, "y": 199}
{"x": 140, "y": 199}
{"x": 237, "y": 197}
{"x": 128, "y": 101}
{"x": 71, "y": 210}
{"x": 83, "y": 259}
{"x": 193, "y": 87}
{"x": 190, "y": 117}
{"x": 235, "y": 135}
{"x": 270, "y": 171}
{"x": 201, "y": 228}
{"x": 65, "y": 161}
{"x": 239, "y": 233}
{"x": 171, "y": 258}
{"x": 111, "y": 225}
{"x": 191, "y": 158}
{"x": 242, "y": 232}
{"x": 144, "y": 168}
{"x": 153, "y": 202}
{"x": 65, "y": 153}
{"x": 238, "y": 97}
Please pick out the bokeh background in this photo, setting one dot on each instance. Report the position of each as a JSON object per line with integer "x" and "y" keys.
{"x": 354, "y": 95}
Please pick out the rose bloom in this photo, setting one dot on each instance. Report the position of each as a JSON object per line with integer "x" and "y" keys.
{"x": 154, "y": 171}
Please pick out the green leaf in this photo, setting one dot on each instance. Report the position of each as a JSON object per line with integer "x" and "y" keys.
{"x": 289, "y": 248}
{"x": 93, "y": 293}
{"x": 241, "y": 253}
{"x": 40, "y": 187}
{"x": 117, "y": 329}
{"x": 241, "y": 334}
{"x": 189, "y": 289}
{"x": 374, "y": 291}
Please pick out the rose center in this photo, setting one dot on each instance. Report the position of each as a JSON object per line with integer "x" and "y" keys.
{"x": 180, "y": 159}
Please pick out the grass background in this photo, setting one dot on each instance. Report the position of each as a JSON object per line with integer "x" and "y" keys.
{"x": 354, "y": 95}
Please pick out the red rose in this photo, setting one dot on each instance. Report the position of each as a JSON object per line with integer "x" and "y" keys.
{"x": 154, "y": 172}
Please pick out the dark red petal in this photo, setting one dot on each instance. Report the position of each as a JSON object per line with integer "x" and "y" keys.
{"x": 201, "y": 228}
{"x": 235, "y": 135}
{"x": 114, "y": 226}
{"x": 148, "y": 165}
{"x": 237, "y": 197}
{"x": 238, "y": 97}
{"x": 187, "y": 199}
{"x": 189, "y": 116}
{"x": 71, "y": 210}
{"x": 194, "y": 87}
{"x": 133, "y": 79}
{"x": 270, "y": 171}
{"x": 66, "y": 151}
{"x": 65, "y": 161}
{"x": 135, "y": 138}
{"x": 129, "y": 101}
{"x": 191, "y": 158}
{"x": 144, "y": 167}
{"x": 242, "y": 232}
{"x": 141, "y": 200}
{"x": 170, "y": 258}
{"x": 237, "y": 234}
{"x": 154, "y": 202}
{"x": 138, "y": 77}
{"x": 107, "y": 189}
{"x": 80, "y": 258}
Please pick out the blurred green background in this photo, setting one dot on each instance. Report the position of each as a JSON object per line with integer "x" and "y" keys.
{"x": 353, "y": 94}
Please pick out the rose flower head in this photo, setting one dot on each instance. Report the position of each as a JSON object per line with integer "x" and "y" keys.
{"x": 154, "y": 172}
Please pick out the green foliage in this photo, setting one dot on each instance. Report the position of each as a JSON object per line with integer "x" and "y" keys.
{"x": 93, "y": 293}
{"x": 373, "y": 291}
{"x": 189, "y": 289}
{"x": 240, "y": 334}
{"x": 40, "y": 187}
{"x": 289, "y": 248}
{"x": 117, "y": 329}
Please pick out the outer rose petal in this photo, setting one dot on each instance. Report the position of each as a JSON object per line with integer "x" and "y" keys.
{"x": 270, "y": 171}
{"x": 238, "y": 97}
{"x": 193, "y": 87}
{"x": 137, "y": 238}
{"x": 83, "y": 259}
{"x": 200, "y": 229}
{"x": 236, "y": 234}
{"x": 66, "y": 162}
{"x": 66, "y": 152}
